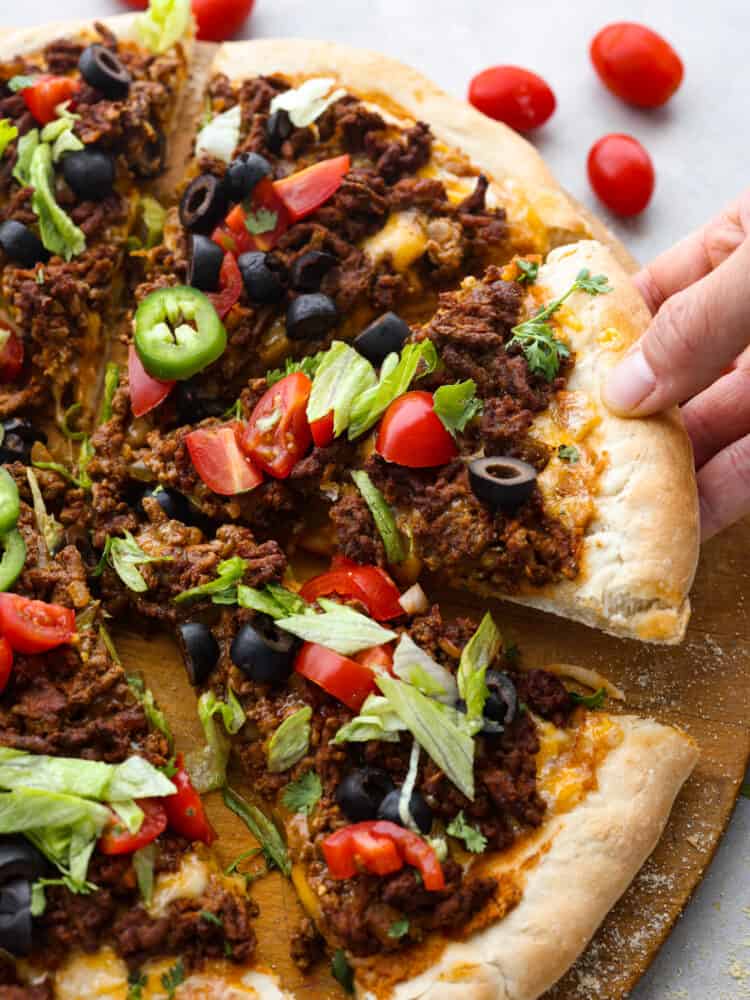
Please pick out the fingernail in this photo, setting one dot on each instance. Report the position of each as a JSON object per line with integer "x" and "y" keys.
{"x": 629, "y": 383}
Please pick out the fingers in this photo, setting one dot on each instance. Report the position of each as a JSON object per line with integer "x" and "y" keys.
{"x": 694, "y": 337}
{"x": 724, "y": 488}
{"x": 719, "y": 414}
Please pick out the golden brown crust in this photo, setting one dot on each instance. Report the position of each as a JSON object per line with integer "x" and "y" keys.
{"x": 575, "y": 872}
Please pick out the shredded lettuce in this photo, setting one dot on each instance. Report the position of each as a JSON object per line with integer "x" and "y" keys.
{"x": 273, "y": 600}
{"x": 229, "y": 573}
{"x": 49, "y": 528}
{"x": 59, "y": 234}
{"x": 396, "y": 375}
{"x": 376, "y": 721}
{"x": 208, "y": 767}
{"x": 219, "y": 138}
{"x": 111, "y": 381}
{"x": 125, "y": 556}
{"x": 8, "y": 133}
{"x": 477, "y": 655}
{"x": 130, "y": 813}
{"x": 307, "y": 102}
{"x": 59, "y": 134}
{"x": 290, "y": 741}
{"x": 154, "y": 715}
{"x": 143, "y": 862}
{"x": 413, "y": 665}
{"x": 25, "y": 150}
{"x": 407, "y": 790}
{"x": 153, "y": 215}
{"x": 262, "y": 828}
{"x": 343, "y": 375}
{"x": 339, "y": 627}
{"x": 382, "y": 514}
{"x": 164, "y": 23}
{"x": 457, "y": 405}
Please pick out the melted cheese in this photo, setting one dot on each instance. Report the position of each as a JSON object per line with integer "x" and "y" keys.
{"x": 102, "y": 976}
{"x": 305, "y": 893}
{"x": 403, "y": 238}
{"x": 190, "y": 881}
{"x": 567, "y": 759}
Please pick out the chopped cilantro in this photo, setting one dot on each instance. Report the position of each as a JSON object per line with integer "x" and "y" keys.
{"x": 342, "y": 970}
{"x": 529, "y": 270}
{"x": 261, "y": 221}
{"x": 398, "y": 928}
{"x": 136, "y": 982}
{"x": 211, "y": 918}
{"x": 173, "y": 977}
{"x": 302, "y": 795}
{"x": 460, "y": 828}
{"x": 568, "y": 453}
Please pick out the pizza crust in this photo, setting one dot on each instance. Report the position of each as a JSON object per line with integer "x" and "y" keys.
{"x": 587, "y": 859}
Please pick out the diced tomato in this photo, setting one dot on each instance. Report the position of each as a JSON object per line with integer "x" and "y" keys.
{"x": 413, "y": 435}
{"x": 277, "y": 434}
{"x": 146, "y": 392}
{"x": 218, "y": 460}
{"x": 117, "y": 839}
{"x": 230, "y": 283}
{"x": 310, "y": 188}
{"x": 637, "y": 64}
{"x": 234, "y": 234}
{"x": 185, "y": 812}
{"x": 11, "y": 355}
{"x": 322, "y": 430}
{"x": 512, "y": 95}
{"x": 380, "y": 848}
{"x": 6, "y": 663}
{"x": 46, "y": 93}
{"x": 345, "y": 679}
{"x": 378, "y": 659}
{"x": 369, "y": 585}
{"x": 35, "y": 626}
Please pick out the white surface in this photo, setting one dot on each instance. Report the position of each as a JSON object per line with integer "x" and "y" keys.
{"x": 700, "y": 149}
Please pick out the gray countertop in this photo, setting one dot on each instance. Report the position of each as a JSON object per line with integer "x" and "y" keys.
{"x": 700, "y": 149}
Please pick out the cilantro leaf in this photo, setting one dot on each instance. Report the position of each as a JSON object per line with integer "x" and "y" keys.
{"x": 457, "y": 405}
{"x": 342, "y": 971}
{"x": 398, "y": 928}
{"x": 302, "y": 795}
{"x": 261, "y": 221}
{"x": 595, "y": 700}
{"x": 460, "y": 828}
{"x": 173, "y": 977}
{"x": 211, "y": 918}
{"x": 529, "y": 270}
{"x": 568, "y": 453}
{"x": 136, "y": 982}
{"x": 594, "y": 284}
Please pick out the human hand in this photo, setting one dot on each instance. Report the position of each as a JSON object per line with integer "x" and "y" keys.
{"x": 695, "y": 353}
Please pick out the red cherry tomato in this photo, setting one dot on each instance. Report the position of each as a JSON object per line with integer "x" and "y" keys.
{"x": 46, "y": 93}
{"x": 636, "y": 64}
{"x": 380, "y": 848}
{"x": 35, "y": 626}
{"x": 369, "y": 585}
{"x": 234, "y": 235}
{"x": 218, "y": 460}
{"x": 308, "y": 189}
{"x": 185, "y": 812}
{"x": 412, "y": 434}
{"x": 621, "y": 173}
{"x": 117, "y": 839}
{"x": 322, "y": 430}
{"x": 345, "y": 679}
{"x": 277, "y": 433}
{"x": 11, "y": 355}
{"x": 512, "y": 95}
{"x": 230, "y": 283}
{"x": 217, "y": 20}
{"x": 6, "y": 663}
{"x": 146, "y": 392}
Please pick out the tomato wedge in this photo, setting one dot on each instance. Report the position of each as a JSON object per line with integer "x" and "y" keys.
{"x": 185, "y": 812}
{"x": 277, "y": 434}
{"x": 6, "y": 663}
{"x": 267, "y": 210}
{"x": 117, "y": 839}
{"x": 46, "y": 93}
{"x": 322, "y": 430}
{"x": 146, "y": 392}
{"x": 35, "y": 626}
{"x": 219, "y": 462}
{"x": 413, "y": 435}
{"x": 369, "y": 585}
{"x": 11, "y": 355}
{"x": 379, "y": 659}
{"x": 308, "y": 189}
{"x": 230, "y": 284}
{"x": 380, "y": 848}
{"x": 345, "y": 679}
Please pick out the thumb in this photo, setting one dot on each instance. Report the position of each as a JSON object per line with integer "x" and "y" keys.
{"x": 694, "y": 337}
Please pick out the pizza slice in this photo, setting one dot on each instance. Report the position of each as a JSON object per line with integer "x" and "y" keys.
{"x": 85, "y": 112}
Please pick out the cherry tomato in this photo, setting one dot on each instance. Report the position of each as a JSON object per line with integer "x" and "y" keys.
{"x": 308, "y": 189}
{"x": 412, "y": 434}
{"x": 117, "y": 839}
{"x": 217, "y": 20}
{"x": 217, "y": 458}
{"x": 46, "y": 93}
{"x": 185, "y": 812}
{"x": 6, "y": 663}
{"x": 277, "y": 433}
{"x": 380, "y": 848}
{"x": 636, "y": 64}
{"x": 512, "y": 95}
{"x": 345, "y": 679}
{"x": 11, "y": 355}
{"x": 234, "y": 234}
{"x": 621, "y": 173}
{"x": 230, "y": 283}
{"x": 322, "y": 430}
{"x": 146, "y": 392}
{"x": 369, "y": 585}
{"x": 35, "y": 626}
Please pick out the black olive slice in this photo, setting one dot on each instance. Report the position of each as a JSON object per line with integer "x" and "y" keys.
{"x": 502, "y": 702}
{"x": 278, "y": 128}
{"x": 21, "y": 244}
{"x": 361, "y": 792}
{"x": 103, "y": 69}
{"x": 90, "y": 173}
{"x": 261, "y": 282}
{"x": 420, "y": 811}
{"x": 152, "y": 157}
{"x": 18, "y": 436}
{"x": 310, "y": 316}
{"x": 307, "y": 272}
{"x": 174, "y": 504}
{"x": 15, "y": 917}
{"x": 193, "y": 404}
{"x": 203, "y": 204}
{"x": 382, "y": 337}
{"x": 200, "y": 650}
{"x": 205, "y": 263}
{"x": 265, "y": 658}
{"x": 502, "y": 483}
{"x": 19, "y": 859}
{"x": 243, "y": 173}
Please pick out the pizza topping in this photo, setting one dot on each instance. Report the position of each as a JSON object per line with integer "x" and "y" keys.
{"x": 200, "y": 650}
{"x": 381, "y": 848}
{"x": 6, "y": 663}
{"x": 306, "y": 190}
{"x": 102, "y": 69}
{"x": 341, "y": 378}
{"x": 90, "y": 173}
{"x": 307, "y": 102}
{"x": 277, "y": 434}
{"x": 12, "y": 561}
{"x": 10, "y": 504}
{"x": 203, "y": 203}
{"x": 457, "y": 405}
{"x": 413, "y": 665}
{"x": 163, "y": 24}
{"x": 204, "y": 263}
{"x": 244, "y": 173}
{"x": 118, "y": 839}
{"x": 308, "y": 270}
{"x": 310, "y": 316}
{"x": 21, "y": 244}
{"x": 278, "y": 129}
{"x": 337, "y": 627}
{"x": 8, "y": 132}
{"x": 419, "y": 812}
{"x": 412, "y": 434}
{"x": 370, "y": 586}
{"x": 502, "y": 483}
{"x": 262, "y": 283}
{"x": 264, "y": 656}
{"x": 290, "y": 742}
{"x": 382, "y": 514}
{"x": 178, "y": 333}
{"x": 396, "y": 375}
{"x": 186, "y": 814}
{"x": 30, "y": 626}
{"x": 219, "y": 461}
{"x": 146, "y": 392}
{"x": 59, "y": 234}
{"x": 345, "y": 679}
{"x": 361, "y": 792}
{"x": 45, "y": 93}
{"x": 220, "y": 136}
{"x": 16, "y": 908}
{"x": 385, "y": 335}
